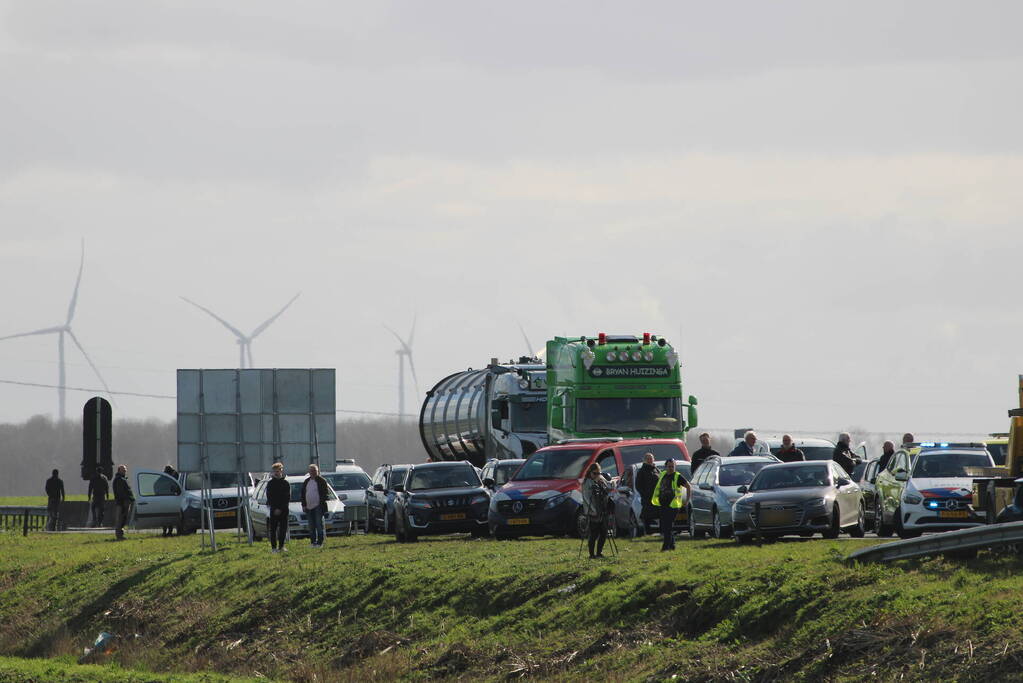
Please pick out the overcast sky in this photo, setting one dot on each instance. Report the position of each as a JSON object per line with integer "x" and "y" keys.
{"x": 822, "y": 198}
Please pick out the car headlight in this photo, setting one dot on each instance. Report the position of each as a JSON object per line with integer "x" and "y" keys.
{"x": 815, "y": 503}
{"x": 193, "y": 503}
{"x": 292, "y": 518}
{"x": 422, "y": 504}
{"x": 911, "y": 499}
{"x": 479, "y": 498}
{"x": 555, "y": 501}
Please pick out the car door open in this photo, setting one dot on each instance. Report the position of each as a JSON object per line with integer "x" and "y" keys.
{"x": 157, "y": 500}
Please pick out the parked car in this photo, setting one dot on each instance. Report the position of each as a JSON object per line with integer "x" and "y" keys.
{"x": 628, "y": 504}
{"x": 351, "y": 482}
{"x": 714, "y": 489}
{"x": 801, "y": 498}
{"x": 865, "y": 474}
{"x": 496, "y": 473}
{"x": 440, "y": 498}
{"x": 380, "y": 497}
{"x": 334, "y": 522}
{"x": 929, "y": 487}
{"x": 545, "y": 495}
{"x": 163, "y": 500}
{"x": 813, "y": 449}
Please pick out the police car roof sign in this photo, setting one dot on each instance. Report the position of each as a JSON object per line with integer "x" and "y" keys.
{"x": 244, "y": 420}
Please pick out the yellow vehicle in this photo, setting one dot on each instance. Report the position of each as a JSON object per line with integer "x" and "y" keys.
{"x": 998, "y": 447}
{"x": 993, "y": 494}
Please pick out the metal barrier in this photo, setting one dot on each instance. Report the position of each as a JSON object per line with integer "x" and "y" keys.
{"x": 986, "y": 536}
{"x": 24, "y": 518}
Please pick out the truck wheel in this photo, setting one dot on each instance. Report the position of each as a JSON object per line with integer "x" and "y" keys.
{"x": 883, "y": 530}
{"x": 833, "y": 530}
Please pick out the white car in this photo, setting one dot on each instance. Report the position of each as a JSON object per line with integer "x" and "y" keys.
{"x": 163, "y": 500}
{"x": 350, "y": 482}
{"x": 334, "y": 521}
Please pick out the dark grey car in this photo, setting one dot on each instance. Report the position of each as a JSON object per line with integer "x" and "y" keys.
{"x": 801, "y": 498}
{"x": 865, "y": 474}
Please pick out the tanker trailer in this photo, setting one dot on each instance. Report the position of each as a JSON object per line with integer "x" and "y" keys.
{"x": 498, "y": 412}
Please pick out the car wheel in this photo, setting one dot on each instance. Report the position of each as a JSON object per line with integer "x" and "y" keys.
{"x": 693, "y": 531}
{"x": 399, "y": 533}
{"x": 721, "y": 531}
{"x": 833, "y": 530}
{"x": 883, "y": 530}
{"x": 861, "y": 524}
{"x": 182, "y": 529}
{"x": 902, "y": 531}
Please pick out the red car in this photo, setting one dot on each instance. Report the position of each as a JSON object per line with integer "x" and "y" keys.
{"x": 545, "y": 495}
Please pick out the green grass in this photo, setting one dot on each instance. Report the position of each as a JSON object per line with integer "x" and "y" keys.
{"x": 14, "y": 670}
{"x": 366, "y": 608}
{"x": 34, "y": 500}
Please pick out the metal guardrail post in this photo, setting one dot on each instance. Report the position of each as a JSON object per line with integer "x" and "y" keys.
{"x": 24, "y": 531}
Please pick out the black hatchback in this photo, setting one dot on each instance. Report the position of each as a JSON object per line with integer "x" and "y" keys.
{"x": 440, "y": 498}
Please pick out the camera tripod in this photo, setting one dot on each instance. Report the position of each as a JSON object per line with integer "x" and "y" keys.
{"x": 608, "y": 530}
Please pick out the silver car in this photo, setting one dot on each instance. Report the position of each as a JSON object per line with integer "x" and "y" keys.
{"x": 801, "y": 498}
{"x": 716, "y": 486}
{"x": 350, "y": 483}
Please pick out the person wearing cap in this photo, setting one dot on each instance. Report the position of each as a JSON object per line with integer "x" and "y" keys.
{"x": 669, "y": 495}
{"x": 789, "y": 452}
{"x": 278, "y": 496}
{"x": 701, "y": 453}
{"x": 843, "y": 453}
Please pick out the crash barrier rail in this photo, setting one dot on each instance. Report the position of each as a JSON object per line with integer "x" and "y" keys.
{"x": 23, "y": 518}
{"x": 948, "y": 541}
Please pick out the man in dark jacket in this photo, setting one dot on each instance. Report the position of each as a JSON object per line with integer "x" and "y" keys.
{"x": 745, "y": 447}
{"x": 123, "y": 499}
{"x": 278, "y": 496}
{"x": 646, "y": 480}
{"x": 843, "y": 453}
{"x": 99, "y": 487}
{"x": 54, "y": 497}
{"x": 314, "y": 504}
{"x": 168, "y": 530}
{"x": 701, "y": 453}
{"x": 887, "y": 451}
{"x": 789, "y": 452}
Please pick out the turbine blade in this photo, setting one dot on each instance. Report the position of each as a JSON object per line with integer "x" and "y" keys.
{"x": 235, "y": 330}
{"x": 412, "y": 334}
{"x": 46, "y": 330}
{"x": 404, "y": 346}
{"x": 529, "y": 347}
{"x": 276, "y": 315}
{"x": 74, "y": 294}
{"x": 91, "y": 364}
{"x": 412, "y": 367}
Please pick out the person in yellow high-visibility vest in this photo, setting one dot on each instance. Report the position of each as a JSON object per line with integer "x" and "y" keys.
{"x": 670, "y": 494}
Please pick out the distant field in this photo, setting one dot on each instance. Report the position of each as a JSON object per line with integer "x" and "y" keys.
{"x": 366, "y": 608}
{"x": 33, "y": 500}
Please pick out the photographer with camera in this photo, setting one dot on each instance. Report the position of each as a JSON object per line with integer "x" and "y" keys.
{"x": 668, "y": 497}
{"x": 595, "y": 502}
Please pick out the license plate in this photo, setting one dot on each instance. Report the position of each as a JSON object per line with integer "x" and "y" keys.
{"x": 775, "y": 518}
{"x": 454, "y": 515}
{"x": 519, "y": 520}
{"x": 224, "y": 513}
{"x": 681, "y": 517}
{"x": 953, "y": 514}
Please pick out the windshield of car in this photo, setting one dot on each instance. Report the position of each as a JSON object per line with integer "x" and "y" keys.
{"x": 625, "y": 415}
{"x": 560, "y": 464}
{"x": 949, "y": 464}
{"x": 739, "y": 474}
{"x": 633, "y": 455}
{"x": 529, "y": 417}
{"x": 296, "y": 492}
{"x": 443, "y": 478}
{"x": 226, "y": 480}
{"x": 790, "y": 478}
{"x": 503, "y": 472}
{"x": 347, "y": 481}
{"x": 397, "y": 476}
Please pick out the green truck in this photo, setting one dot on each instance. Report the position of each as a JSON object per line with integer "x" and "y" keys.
{"x": 615, "y": 385}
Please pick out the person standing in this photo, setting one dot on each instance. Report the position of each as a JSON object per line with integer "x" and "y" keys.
{"x": 668, "y": 498}
{"x": 168, "y": 530}
{"x": 123, "y": 499}
{"x": 789, "y": 452}
{"x": 747, "y": 446}
{"x": 646, "y": 480}
{"x": 907, "y": 439}
{"x": 314, "y": 504}
{"x": 99, "y": 487}
{"x": 843, "y": 453}
{"x": 54, "y": 497}
{"x": 701, "y": 453}
{"x": 887, "y": 451}
{"x": 595, "y": 493}
{"x": 278, "y": 496}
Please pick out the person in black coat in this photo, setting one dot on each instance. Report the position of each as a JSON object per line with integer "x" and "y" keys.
{"x": 99, "y": 487}
{"x": 278, "y": 496}
{"x": 646, "y": 480}
{"x": 54, "y": 497}
{"x": 843, "y": 453}
{"x": 123, "y": 498}
{"x": 168, "y": 530}
{"x": 314, "y": 504}
{"x": 788, "y": 451}
{"x": 887, "y": 451}
{"x": 701, "y": 453}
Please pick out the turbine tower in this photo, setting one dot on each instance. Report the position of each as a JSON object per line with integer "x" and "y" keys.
{"x": 404, "y": 354}
{"x": 60, "y": 331}
{"x": 538, "y": 353}
{"x": 243, "y": 340}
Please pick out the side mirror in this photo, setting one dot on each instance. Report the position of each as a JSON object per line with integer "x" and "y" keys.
{"x": 556, "y": 413}
{"x": 901, "y": 475}
{"x": 692, "y": 419}
{"x": 706, "y": 487}
{"x": 489, "y": 483}
{"x": 342, "y": 496}
{"x": 841, "y": 481}
{"x": 398, "y": 488}
{"x": 742, "y": 489}
{"x": 378, "y": 487}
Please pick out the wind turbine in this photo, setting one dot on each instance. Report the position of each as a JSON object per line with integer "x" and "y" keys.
{"x": 60, "y": 331}
{"x": 404, "y": 353}
{"x": 539, "y": 353}
{"x": 244, "y": 340}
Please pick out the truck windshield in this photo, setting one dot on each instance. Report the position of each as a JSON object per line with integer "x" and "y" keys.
{"x": 560, "y": 464}
{"x": 948, "y": 464}
{"x": 791, "y": 478}
{"x": 624, "y": 415}
{"x": 529, "y": 417}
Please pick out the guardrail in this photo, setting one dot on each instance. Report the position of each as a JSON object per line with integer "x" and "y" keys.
{"x": 25, "y": 518}
{"x": 985, "y": 536}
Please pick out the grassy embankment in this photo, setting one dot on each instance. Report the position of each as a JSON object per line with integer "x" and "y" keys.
{"x": 34, "y": 500}
{"x": 366, "y": 608}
